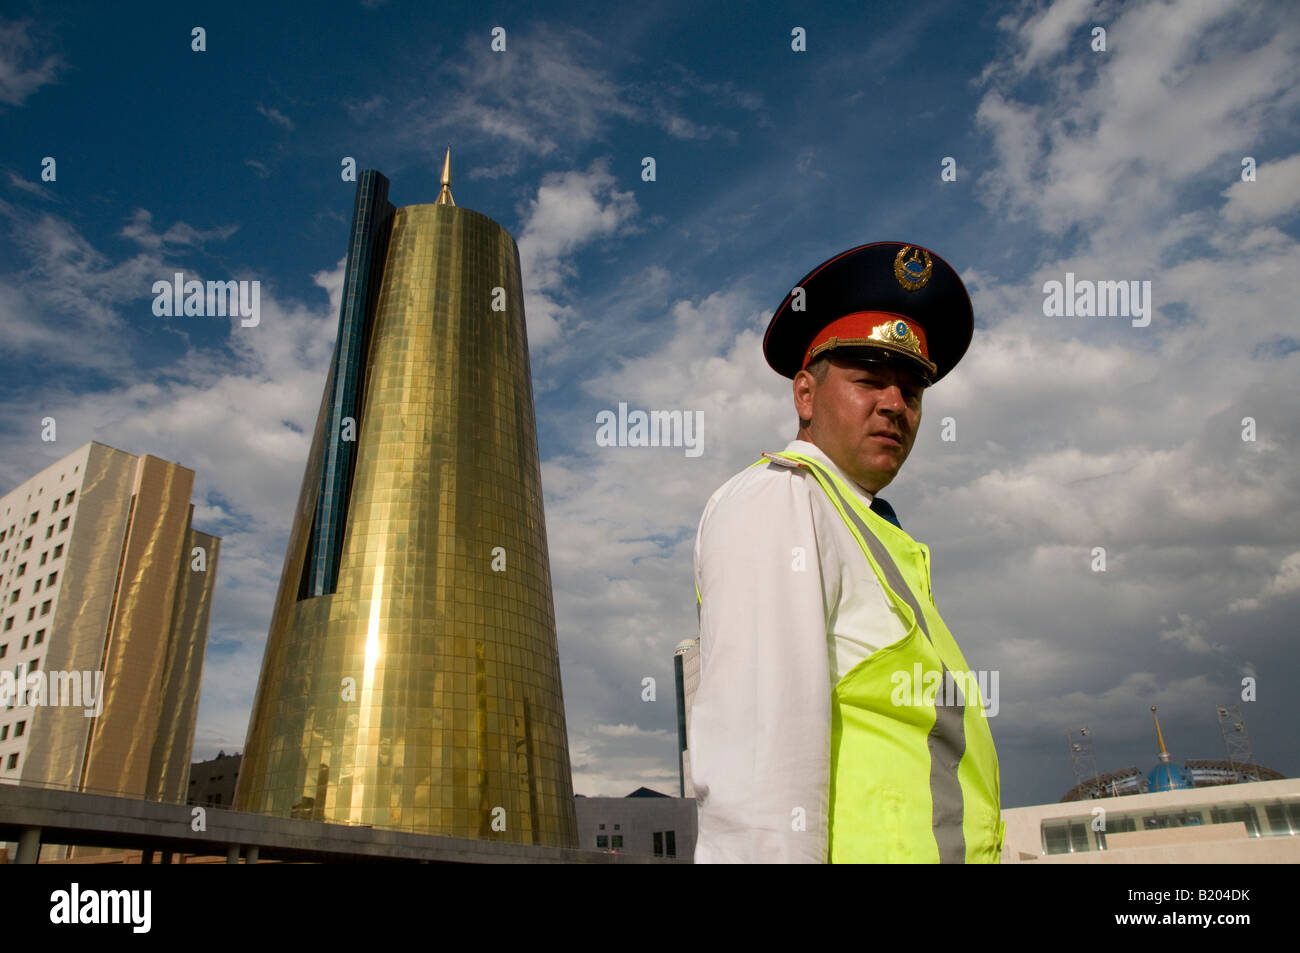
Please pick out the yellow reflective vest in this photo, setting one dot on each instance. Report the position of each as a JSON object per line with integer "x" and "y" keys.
{"x": 914, "y": 774}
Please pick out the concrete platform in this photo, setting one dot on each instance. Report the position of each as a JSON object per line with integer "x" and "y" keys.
{"x": 33, "y": 816}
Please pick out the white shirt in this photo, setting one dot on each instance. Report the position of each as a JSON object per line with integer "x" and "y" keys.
{"x": 775, "y": 638}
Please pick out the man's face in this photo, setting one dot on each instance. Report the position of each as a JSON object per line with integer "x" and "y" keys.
{"x": 863, "y": 416}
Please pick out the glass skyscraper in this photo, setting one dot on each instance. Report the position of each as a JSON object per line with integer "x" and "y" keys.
{"x": 411, "y": 678}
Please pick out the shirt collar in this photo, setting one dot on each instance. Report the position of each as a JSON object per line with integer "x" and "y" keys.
{"x": 814, "y": 451}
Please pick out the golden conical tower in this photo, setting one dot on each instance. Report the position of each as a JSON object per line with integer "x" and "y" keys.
{"x": 411, "y": 677}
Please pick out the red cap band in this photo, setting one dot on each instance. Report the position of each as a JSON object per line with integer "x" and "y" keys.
{"x": 871, "y": 329}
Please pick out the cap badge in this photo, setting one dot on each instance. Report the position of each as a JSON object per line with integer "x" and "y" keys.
{"x": 912, "y": 270}
{"x": 897, "y": 334}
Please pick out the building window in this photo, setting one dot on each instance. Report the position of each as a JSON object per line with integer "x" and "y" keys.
{"x": 36, "y": 586}
{"x": 45, "y": 607}
{"x": 19, "y": 729}
{"x": 1123, "y": 824}
{"x": 49, "y": 531}
{"x": 32, "y": 519}
{"x": 602, "y": 827}
{"x": 34, "y": 665}
{"x": 602, "y": 841}
{"x": 44, "y": 556}
{"x": 27, "y": 544}
{"x": 39, "y": 637}
{"x": 1231, "y": 814}
{"x": 4, "y": 732}
{"x": 616, "y": 842}
{"x": 13, "y": 596}
{"x": 616, "y": 827}
{"x": 659, "y": 843}
{"x": 1162, "y": 820}
{"x": 22, "y": 568}
{"x": 72, "y": 495}
{"x": 63, "y": 523}
{"x": 1283, "y": 818}
{"x": 12, "y": 762}
{"x": 4, "y": 650}
{"x": 58, "y": 551}
{"x": 52, "y": 579}
{"x": 670, "y": 842}
{"x": 55, "y": 507}
{"x": 24, "y": 645}
{"x": 31, "y": 613}
{"x": 1065, "y": 837}
{"x": 9, "y": 623}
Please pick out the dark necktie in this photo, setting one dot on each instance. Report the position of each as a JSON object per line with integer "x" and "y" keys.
{"x": 884, "y": 510}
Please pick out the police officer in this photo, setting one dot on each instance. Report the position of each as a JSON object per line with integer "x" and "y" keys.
{"x": 836, "y": 719}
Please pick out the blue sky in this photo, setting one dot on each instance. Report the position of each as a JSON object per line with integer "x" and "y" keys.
{"x": 1072, "y": 433}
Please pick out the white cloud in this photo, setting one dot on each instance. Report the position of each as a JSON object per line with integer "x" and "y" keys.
{"x": 1285, "y": 582}
{"x": 275, "y": 117}
{"x": 74, "y": 287}
{"x": 23, "y": 70}
{"x": 1182, "y": 89}
{"x": 140, "y": 230}
{"x": 631, "y": 731}
{"x": 549, "y": 94}
{"x": 1047, "y": 32}
{"x": 570, "y": 210}
{"x": 1189, "y": 634}
{"x": 362, "y": 111}
{"x": 31, "y": 188}
{"x": 69, "y": 301}
{"x": 1274, "y": 194}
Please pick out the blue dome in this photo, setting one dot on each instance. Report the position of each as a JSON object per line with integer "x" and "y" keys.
{"x": 1167, "y": 777}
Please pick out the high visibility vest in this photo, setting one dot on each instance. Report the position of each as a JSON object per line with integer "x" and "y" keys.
{"x": 914, "y": 774}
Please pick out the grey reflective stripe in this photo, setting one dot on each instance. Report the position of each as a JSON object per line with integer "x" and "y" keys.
{"x": 947, "y": 739}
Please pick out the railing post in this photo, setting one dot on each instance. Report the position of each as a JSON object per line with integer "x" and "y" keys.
{"x": 29, "y": 845}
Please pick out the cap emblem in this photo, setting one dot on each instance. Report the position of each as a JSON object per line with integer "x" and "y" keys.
{"x": 913, "y": 271}
{"x": 897, "y": 334}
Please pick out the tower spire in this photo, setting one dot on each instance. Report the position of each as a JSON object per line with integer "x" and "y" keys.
{"x": 444, "y": 194}
{"x": 1164, "y": 752}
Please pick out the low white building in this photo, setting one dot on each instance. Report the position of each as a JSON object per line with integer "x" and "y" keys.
{"x": 1256, "y": 822}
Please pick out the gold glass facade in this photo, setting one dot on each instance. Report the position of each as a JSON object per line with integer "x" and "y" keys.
{"x": 134, "y": 605}
{"x": 129, "y": 587}
{"x": 155, "y": 561}
{"x": 424, "y": 693}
